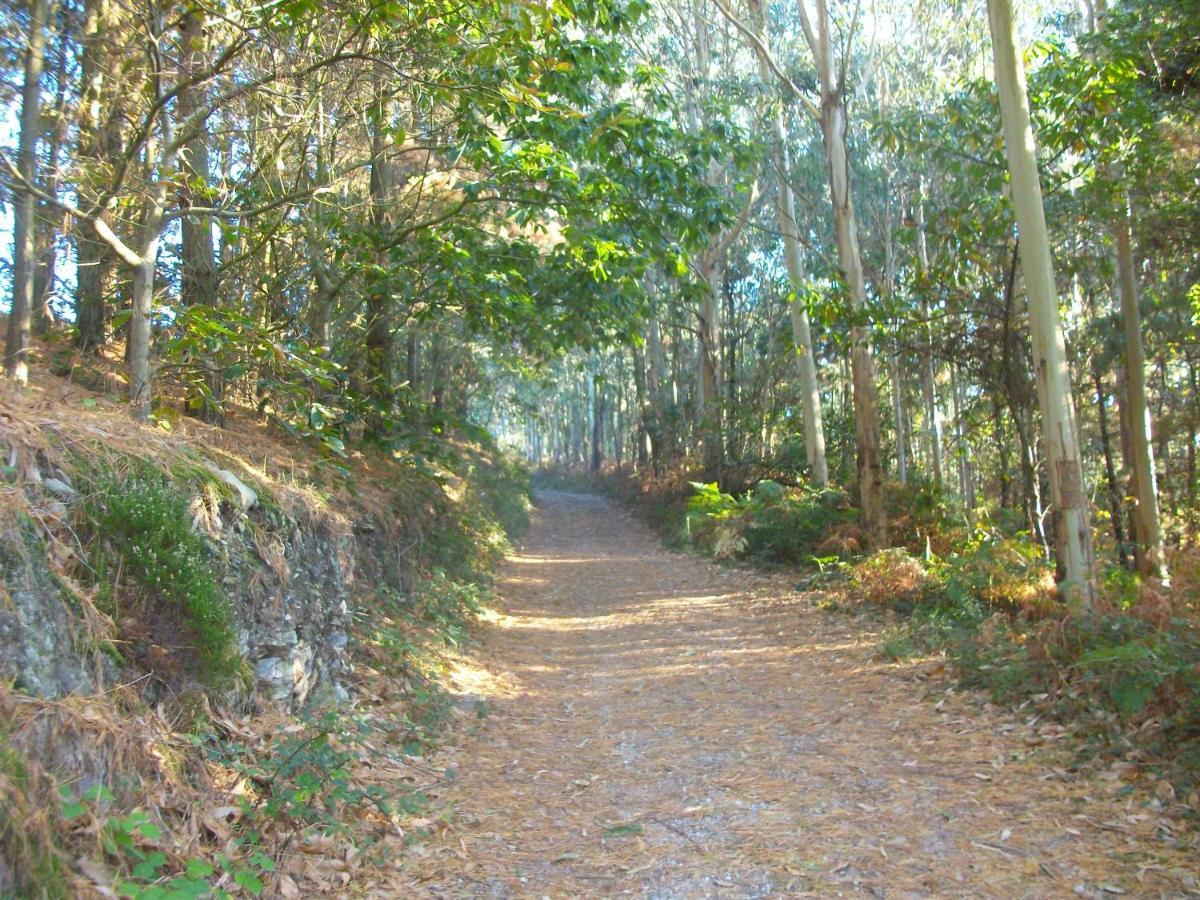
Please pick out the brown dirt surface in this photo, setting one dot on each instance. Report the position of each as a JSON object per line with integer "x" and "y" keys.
{"x": 660, "y": 726}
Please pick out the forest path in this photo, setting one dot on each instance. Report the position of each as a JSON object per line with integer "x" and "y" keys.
{"x": 659, "y": 726}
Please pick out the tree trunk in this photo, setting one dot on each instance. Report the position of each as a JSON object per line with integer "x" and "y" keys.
{"x": 793, "y": 256}
{"x": 1110, "y": 471}
{"x": 641, "y": 451}
{"x": 138, "y": 351}
{"x": 898, "y": 417}
{"x": 862, "y": 365}
{"x": 1148, "y": 552}
{"x": 379, "y": 321}
{"x": 708, "y": 399}
{"x": 1073, "y": 538}
{"x": 897, "y": 373}
{"x": 597, "y": 422}
{"x": 16, "y": 364}
{"x": 99, "y": 142}
{"x": 198, "y": 266}
{"x": 966, "y": 480}
{"x": 933, "y": 419}
{"x": 657, "y": 427}
{"x": 50, "y": 219}
{"x": 1002, "y": 452}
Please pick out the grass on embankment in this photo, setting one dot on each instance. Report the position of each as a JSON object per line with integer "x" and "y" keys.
{"x": 187, "y": 796}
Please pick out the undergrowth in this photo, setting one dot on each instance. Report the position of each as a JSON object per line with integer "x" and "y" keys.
{"x": 140, "y": 527}
{"x": 973, "y": 588}
{"x": 204, "y": 803}
{"x": 1125, "y": 676}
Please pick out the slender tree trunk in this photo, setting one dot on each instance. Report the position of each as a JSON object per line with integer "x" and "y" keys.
{"x": 412, "y": 359}
{"x": 1148, "y": 551}
{"x": 1110, "y": 471}
{"x": 897, "y": 373}
{"x": 708, "y": 398}
{"x": 16, "y": 364}
{"x": 138, "y": 349}
{"x": 1073, "y": 535}
{"x": 933, "y": 418}
{"x": 966, "y": 479}
{"x": 49, "y": 219}
{"x": 898, "y": 417}
{"x": 99, "y": 141}
{"x": 793, "y": 256}
{"x": 641, "y": 452}
{"x": 862, "y": 365}
{"x": 379, "y": 320}
{"x": 198, "y": 269}
{"x": 597, "y": 421}
{"x": 657, "y": 428}
{"x": 1002, "y": 453}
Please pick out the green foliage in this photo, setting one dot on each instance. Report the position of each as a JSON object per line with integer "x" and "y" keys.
{"x": 768, "y": 523}
{"x": 303, "y": 779}
{"x": 293, "y": 380}
{"x": 502, "y": 486}
{"x": 992, "y": 611}
{"x": 140, "y": 852}
{"x": 1003, "y": 573}
{"x": 917, "y": 511}
{"x": 140, "y": 527}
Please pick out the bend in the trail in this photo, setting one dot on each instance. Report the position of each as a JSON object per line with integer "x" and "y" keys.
{"x": 659, "y": 726}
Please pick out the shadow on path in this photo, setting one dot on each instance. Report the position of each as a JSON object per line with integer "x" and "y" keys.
{"x": 659, "y": 726}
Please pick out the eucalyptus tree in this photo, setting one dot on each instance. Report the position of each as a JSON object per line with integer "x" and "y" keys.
{"x": 1073, "y": 538}
{"x": 828, "y": 109}
{"x": 810, "y": 393}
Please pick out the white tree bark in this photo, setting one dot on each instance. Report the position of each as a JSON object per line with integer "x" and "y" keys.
{"x": 933, "y": 416}
{"x": 862, "y": 364}
{"x": 1073, "y": 540}
{"x": 810, "y": 394}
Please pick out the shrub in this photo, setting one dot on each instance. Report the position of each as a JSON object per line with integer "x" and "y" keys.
{"x": 141, "y": 527}
{"x": 890, "y": 578}
{"x": 1001, "y": 572}
{"x": 770, "y": 523}
{"x": 917, "y": 512}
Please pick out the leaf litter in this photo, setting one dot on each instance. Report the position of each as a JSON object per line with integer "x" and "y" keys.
{"x": 661, "y": 726}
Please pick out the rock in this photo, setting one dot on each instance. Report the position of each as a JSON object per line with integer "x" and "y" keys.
{"x": 302, "y": 672}
{"x": 327, "y": 694}
{"x": 60, "y": 488}
{"x": 40, "y": 652}
{"x": 245, "y": 494}
{"x": 279, "y": 637}
{"x": 274, "y": 678}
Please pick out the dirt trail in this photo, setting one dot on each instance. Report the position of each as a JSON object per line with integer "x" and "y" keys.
{"x": 658, "y": 726}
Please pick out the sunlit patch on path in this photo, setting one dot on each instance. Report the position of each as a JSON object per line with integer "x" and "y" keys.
{"x": 658, "y": 726}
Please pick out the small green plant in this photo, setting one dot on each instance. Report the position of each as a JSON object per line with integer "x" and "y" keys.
{"x": 141, "y": 527}
{"x": 623, "y": 829}
{"x": 770, "y": 523}
{"x": 133, "y": 844}
{"x": 304, "y": 780}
